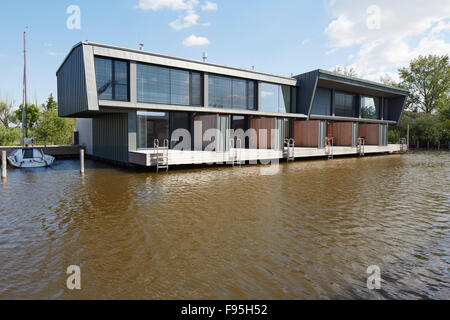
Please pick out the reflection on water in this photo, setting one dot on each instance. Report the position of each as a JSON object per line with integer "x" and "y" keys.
{"x": 310, "y": 231}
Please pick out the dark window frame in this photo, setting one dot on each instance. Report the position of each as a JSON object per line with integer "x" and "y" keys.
{"x": 253, "y": 107}
{"x": 191, "y": 72}
{"x": 113, "y": 76}
{"x": 354, "y": 105}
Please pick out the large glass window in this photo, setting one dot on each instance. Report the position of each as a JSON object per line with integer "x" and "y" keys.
{"x": 180, "y": 120}
{"x": 344, "y": 104}
{"x": 322, "y": 102}
{"x": 168, "y": 86}
{"x": 196, "y": 89}
{"x": 229, "y": 93}
{"x": 112, "y": 79}
{"x": 151, "y": 126}
{"x": 276, "y": 98}
{"x": 179, "y": 87}
{"x": 370, "y": 107}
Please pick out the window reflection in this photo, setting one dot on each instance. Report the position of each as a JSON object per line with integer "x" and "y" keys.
{"x": 168, "y": 86}
{"x": 112, "y": 79}
{"x": 344, "y": 104}
{"x": 230, "y": 93}
{"x": 370, "y": 107}
{"x": 276, "y": 98}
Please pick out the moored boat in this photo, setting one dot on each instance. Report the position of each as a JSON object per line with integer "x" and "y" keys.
{"x": 29, "y": 158}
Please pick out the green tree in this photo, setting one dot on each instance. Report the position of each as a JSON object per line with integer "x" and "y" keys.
{"x": 50, "y": 104}
{"x": 9, "y": 136}
{"x": 428, "y": 80}
{"x": 32, "y": 115}
{"x": 427, "y": 128}
{"x": 6, "y": 113}
{"x": 52, "y": 129}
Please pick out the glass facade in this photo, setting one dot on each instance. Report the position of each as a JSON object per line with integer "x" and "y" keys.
{"x": 344, "y": 104}
{"x": 231, "y": 93}
{"x": 276, "y": 98}
{"x": 370, "y": 107}
{"x": 168, "y": 86}
{"x": 151, "y": 126}
{"x": 112, "y": 79}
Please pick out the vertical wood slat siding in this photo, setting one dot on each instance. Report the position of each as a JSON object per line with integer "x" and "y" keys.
{"x": 306, "y": 133}
{"x": 370, "y": 132}
{"x": 71, "y": 79}
{"x": 259, "y": 124}
{"x": 342, "y": 133}
{"x": 110, "y": 137}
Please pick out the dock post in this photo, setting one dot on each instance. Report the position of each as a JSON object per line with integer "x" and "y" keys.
{"x": 407, "y": 138}
{"x": 3, "y": 164}
{"x": 82, "y": 161}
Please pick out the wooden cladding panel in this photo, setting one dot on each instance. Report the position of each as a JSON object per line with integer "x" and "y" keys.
{"x": 259, "y": 124}
{"x": 306, "y": 133}
{"x": 342, "y": 133}
{"x": 370, "y": 132}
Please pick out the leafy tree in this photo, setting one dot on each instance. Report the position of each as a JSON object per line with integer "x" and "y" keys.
{"x": 426, "y": 128}
{"x": 50, "y": 104}
{"x": 6, "y": 114}
{"x": 32, "y": 115}
{"x": 52, "y": 129}
{"x": 346, "y": 71}
{"x": 9, "y": 136}
{"x": 428, "y": 80}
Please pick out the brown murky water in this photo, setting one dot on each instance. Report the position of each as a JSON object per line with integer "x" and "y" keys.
{"x": 310, "y": 231}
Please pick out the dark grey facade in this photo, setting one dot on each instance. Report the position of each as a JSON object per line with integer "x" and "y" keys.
{"x": 108, "y": 86}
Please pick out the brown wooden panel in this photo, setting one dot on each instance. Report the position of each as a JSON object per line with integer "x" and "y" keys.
{"x": 306, "y": 133}
{"x": 342, "y": 133}
{"x": 258, "y": 124}
{"x": 369, "y": 131}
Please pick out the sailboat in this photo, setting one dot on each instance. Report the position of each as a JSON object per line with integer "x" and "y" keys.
{"x": 28, "y": 157}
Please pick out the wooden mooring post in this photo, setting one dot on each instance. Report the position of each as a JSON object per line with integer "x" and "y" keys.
{"x": 4, "y": 163}
{"x": 82, "y": 161}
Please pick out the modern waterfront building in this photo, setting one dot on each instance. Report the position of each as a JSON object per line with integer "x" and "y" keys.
{"x": 125, "y": 100}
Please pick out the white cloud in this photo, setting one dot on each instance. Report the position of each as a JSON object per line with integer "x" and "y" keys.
{"x": 209, "y": 6}
{"x": 387, "y": 38}
{"x": 305, "y": 42}
{"x": 52, "y": 53}
{"x": 167, "y": 4}
{"x": 266, "y": 94}
{"x": 191, "y": 19}
{"x": 193, "y": 40}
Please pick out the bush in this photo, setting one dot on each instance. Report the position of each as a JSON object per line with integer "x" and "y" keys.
{"x": 9, "y": 136}
{"x": 52, "y": 129}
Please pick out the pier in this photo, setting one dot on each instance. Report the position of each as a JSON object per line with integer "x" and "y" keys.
{"x": 59, "y": 152}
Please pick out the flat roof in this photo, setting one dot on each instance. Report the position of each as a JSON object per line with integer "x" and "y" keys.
{"x": 198, "y": 62}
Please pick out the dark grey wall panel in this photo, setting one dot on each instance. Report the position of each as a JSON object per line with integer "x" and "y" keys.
{"x": 395, "y": 108}
{"x": 322, "y": 102}
{"x": 307, "y": 83}
{"x": 110, "y": 137}
{"x": 71, "y": 79}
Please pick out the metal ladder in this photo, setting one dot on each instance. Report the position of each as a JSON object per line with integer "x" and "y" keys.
{"x": 361, "y": 146}
{"x": 329, "y": 147}
{"x": 289, "y": 149}
{"x": 403, "y": 145}
{"x": 161, "y": 154}
{"x": 236, "y": 151}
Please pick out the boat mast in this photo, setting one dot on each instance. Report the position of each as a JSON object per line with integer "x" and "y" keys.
{"x": 24, "y": 108}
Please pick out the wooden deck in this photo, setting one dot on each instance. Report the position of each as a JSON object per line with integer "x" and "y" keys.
{"x": 176, "y": 157}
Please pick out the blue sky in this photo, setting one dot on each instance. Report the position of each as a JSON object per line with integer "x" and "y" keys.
{"x": 282, "y": 37}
